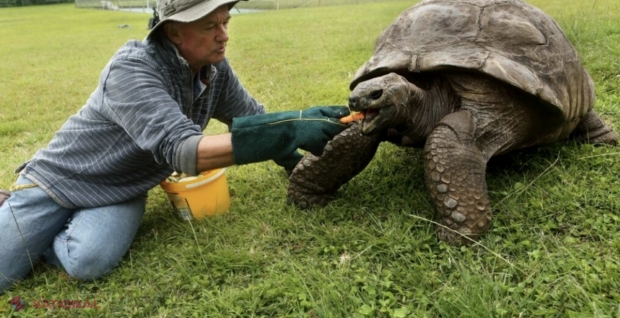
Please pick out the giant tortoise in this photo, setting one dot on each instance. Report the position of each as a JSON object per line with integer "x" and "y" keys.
{"x": 465, "y": 80}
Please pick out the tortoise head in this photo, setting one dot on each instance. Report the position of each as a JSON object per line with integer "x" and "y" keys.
{"x": 385, "y": 101}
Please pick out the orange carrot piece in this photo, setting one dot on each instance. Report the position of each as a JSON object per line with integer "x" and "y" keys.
{"x": 351, "y": 118}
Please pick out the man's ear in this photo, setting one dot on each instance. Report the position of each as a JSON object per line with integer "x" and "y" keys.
{"x": 172, "y": 31}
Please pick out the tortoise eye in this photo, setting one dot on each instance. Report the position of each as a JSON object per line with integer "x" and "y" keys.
{"x": 376, "y": 94}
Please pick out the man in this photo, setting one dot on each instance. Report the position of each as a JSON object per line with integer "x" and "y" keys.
{"x": 78, "y": 203}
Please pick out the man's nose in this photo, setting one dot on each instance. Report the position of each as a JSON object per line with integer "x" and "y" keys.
{"x": 222, "y": 33}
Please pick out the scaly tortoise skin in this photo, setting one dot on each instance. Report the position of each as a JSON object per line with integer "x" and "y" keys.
{"x": 465, "y": 80}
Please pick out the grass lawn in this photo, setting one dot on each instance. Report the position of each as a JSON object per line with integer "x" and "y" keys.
{"x": 553, "y": 249}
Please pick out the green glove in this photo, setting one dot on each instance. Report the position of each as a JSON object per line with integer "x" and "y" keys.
{"x": 289, "y": 161}
{"x": 277, "y": 136}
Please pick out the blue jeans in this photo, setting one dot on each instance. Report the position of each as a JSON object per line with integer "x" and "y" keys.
{"x": 87, "y": 243}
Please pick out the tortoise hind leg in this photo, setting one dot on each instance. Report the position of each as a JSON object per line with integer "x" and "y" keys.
{"x": 592, "y": 129}
{"x": 455, "y": 171}
{"x": 315, "y": 180}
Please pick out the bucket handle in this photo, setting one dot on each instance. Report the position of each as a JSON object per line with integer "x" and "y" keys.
{"x": 207, "y": 180}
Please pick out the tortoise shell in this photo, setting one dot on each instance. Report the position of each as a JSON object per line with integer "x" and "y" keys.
{"x": 506, "y": 39}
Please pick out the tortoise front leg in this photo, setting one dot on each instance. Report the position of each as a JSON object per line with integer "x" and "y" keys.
{"x": 455, "y": 175}
{"x": 315, "y": 180}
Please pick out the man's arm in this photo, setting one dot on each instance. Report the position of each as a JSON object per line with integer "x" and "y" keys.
{"x": 214, "y": 151}
{"x": 275, "y": 136}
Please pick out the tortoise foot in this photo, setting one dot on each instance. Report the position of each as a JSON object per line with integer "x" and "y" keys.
{"x": 455, "y": 238}
{"x": 307, "y": 201}
{"x": 315, "y": 180}
{"x": 460, "y": 236}
{"x": 465, "y": 224}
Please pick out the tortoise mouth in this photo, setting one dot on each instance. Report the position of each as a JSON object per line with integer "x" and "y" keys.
{"x": 376, "y": 119}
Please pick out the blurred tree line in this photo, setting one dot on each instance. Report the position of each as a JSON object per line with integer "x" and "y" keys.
{"x": 19, "y": 3}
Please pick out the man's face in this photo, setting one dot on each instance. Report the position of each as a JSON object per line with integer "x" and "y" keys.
{"x": 203, "y": 41}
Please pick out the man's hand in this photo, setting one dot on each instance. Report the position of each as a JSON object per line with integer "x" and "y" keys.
{"x": 277, "y": 136}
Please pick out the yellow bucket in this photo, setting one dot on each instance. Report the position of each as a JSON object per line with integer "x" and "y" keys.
{"x": 204, "y": 195}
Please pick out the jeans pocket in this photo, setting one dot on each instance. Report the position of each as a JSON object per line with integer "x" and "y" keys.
{"x": 22, "y": 183}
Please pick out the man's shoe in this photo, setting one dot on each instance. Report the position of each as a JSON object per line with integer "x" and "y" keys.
{"x": 4, "y": 194}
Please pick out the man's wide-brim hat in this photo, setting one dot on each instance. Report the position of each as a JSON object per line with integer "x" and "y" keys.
{"x": 187, "y": 10}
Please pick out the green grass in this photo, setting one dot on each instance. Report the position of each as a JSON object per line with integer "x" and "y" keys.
{"x": 553, "y": 250}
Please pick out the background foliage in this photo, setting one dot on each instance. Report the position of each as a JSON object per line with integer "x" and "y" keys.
{"x": 553, "y": 249}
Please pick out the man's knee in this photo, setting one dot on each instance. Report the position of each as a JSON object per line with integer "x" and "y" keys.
{"x": 87, "y": 263}
{"x": 90, "y": 267}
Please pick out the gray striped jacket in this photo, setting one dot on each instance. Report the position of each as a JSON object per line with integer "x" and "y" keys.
{"x": 141, "y": 123}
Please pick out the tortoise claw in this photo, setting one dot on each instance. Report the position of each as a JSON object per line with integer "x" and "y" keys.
{"x": 306, "y": 201}
{"x": 461, "y": 237}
